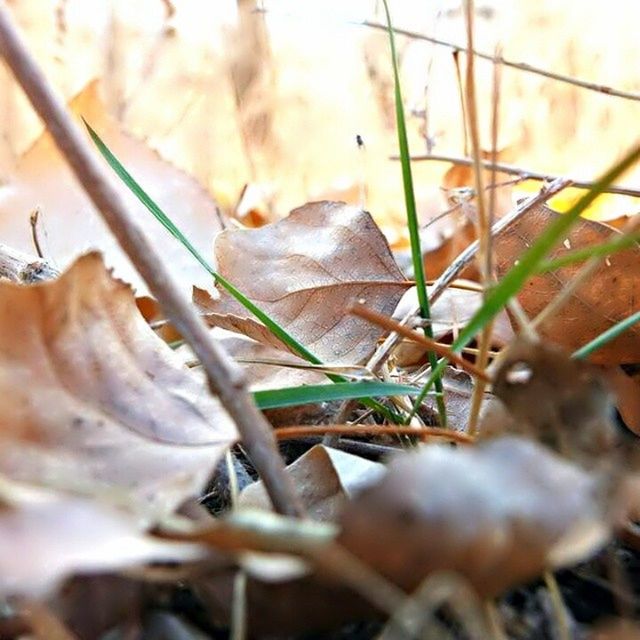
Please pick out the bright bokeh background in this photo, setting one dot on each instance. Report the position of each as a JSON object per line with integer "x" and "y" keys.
{"x": 276, "y": 100}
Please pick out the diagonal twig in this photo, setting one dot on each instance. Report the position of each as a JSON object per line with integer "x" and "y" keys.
{"x": 226, "y": 379}
{"x": 523, "y": 174}
{"x": 521, "y": 66}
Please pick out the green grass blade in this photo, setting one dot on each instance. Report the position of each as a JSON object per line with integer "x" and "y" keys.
{"x": 291, "y": 396}
{"x": 164, "y": 219}
{"x": 168, "y": 224}
{"x": 527, "y": 265}
{"x": 412, "y": 215}
{"x": 602, "y": 250}
{"x": 606, "y": 336}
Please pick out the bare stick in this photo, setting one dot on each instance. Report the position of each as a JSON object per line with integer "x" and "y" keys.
{"x": 521, "y": 66}
{"x": 456, "y": 267}
{"x": 422, "y": 433}
{"x": 523, "y": 174}
{"x": 24, "y": 268}
{"x": 226, "y": 379}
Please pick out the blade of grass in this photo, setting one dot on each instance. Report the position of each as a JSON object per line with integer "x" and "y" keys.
{"x": 168, "y": 224}
{"x": 526, "y": 266}
{"x": 412, "y": 216}
{"x": 291, "y": 396}
{"x": 606, "y": 336}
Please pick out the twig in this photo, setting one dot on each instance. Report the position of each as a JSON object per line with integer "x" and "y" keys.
{"x": 422, "y": 433}
{"x": 523, "y": 174}
{"x": 521, "y": 66}
{"x": 393, "y": 325}
{"x": 484, "y": 219}
{"x": 463, "y": 259}
{"x": 226, "y": 379}
{"x": 33, "y": 222}
{"x": 24, "y": 268}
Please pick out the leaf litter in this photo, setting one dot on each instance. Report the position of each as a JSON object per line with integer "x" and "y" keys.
{"x": 111, "y": 434}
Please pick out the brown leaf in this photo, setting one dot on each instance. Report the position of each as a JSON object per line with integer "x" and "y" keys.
{"x": 92, "y": 400}
{"x": 450, "y": 313}
{"x": 46, "y": 537}
{"x": 610, "y": 295}
{"x": 324, "y": 478}
{"x": 498, "y": 514}
{"x": 68, "y": 221}
{"x": 306, "y": 271}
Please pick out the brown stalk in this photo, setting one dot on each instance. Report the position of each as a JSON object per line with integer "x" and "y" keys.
{"x": 523, "y": 174}
{"x": 393, "y": 325}
{"x": 225, "y": 378}
{"x": 422, "y": 433}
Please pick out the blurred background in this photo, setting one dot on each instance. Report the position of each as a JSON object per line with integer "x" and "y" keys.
{"x": 263, "y": 102}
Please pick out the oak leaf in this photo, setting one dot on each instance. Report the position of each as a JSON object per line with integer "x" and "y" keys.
{"x": 93, "y": 401}
{"x": 610, "y": 294}
{"x": 306, "y": 271}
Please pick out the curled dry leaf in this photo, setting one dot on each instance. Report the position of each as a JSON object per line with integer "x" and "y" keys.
{"x": 45, "y": 537}
{"x": 324, "y": 478}
{"x": 306, "y": 271}
{"x": 609, "y": 295}
{"x": 450, "y": 313}
{"x": 498, "y": 514}
{"x": 68, "y": 223}
{"x": 92, "y": 400}
{"x": 555, "y": 399}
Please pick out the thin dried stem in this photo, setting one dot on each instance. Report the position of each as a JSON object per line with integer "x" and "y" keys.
{"x": 226, "y": 379}
{"x": 521, "y": 66}
{"x": 422, "y": 433}
{"x": 24, "y": 268}
{"x": 523, "y": 174}
{"x": 393, "y": 325}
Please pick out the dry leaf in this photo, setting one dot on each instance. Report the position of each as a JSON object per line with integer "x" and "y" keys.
{"x": 69, "y": 225}
{"x": 91, "y": 399}
{"x": 45, "y": 537}
{"x": 450, "y": 313}
{"x": 324, "y": 479}
{"x": 306, "y": 271}
{"x": 610, "y": 294}
{"x": 499, "y": 514}
{"x": 555, "y": 399}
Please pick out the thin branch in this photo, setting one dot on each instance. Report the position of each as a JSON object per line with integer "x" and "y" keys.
{"x": 226, "y": 379}
{"x": 422, "y": 433}
{"x": 521, "y": 66}
{"x": 523, "y": 174}
{"x": 23, "y": 268}
{"x": 393, "y": 325}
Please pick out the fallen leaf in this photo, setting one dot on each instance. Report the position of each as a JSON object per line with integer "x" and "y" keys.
{"x": 306, "y": 271}
{"x": 324, "y": 478}
{"x": 92, "y": 400}
{"x": 450, "y": 313}
{"x": 46, "y": 537}
{"x": 610, "y": 294}
{"x": 498, "y": 514}
{"x": 69, "y": 225}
